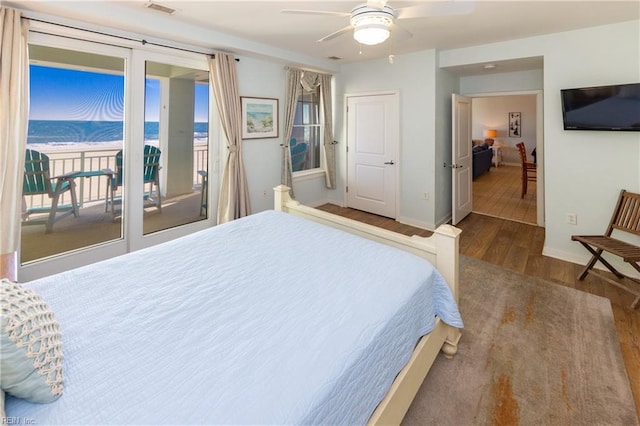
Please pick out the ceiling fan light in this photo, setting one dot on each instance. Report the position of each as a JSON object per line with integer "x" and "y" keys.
{"x": 371, "y": 25}
{"x": 371, "y": 34}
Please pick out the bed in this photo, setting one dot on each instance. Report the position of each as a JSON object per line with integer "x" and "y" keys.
{"x": 271, "y": 319}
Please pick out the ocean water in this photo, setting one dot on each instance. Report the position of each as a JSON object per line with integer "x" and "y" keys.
{"x": 65, "y": 133}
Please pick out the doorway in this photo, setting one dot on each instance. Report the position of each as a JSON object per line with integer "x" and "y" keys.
{"x": 498, "y": 192}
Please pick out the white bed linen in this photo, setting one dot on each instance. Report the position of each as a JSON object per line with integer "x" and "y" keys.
{"x": 270, "y": 319}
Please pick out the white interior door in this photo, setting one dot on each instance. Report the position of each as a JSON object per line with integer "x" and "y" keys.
{"x": 373, "y": 148}
{"x": 461, "y": 161}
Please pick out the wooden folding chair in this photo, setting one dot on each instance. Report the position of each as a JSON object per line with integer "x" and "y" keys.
{"x": 626, "y": 218}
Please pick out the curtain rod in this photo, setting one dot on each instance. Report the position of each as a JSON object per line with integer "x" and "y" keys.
{"x": 288, "y": 67}
{"x": 141, "y": 41}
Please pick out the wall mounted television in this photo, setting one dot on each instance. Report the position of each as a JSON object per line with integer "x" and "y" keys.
{"x": 612, "y": 108}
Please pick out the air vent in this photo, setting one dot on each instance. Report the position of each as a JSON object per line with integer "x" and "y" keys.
{"x": 334, "y": 58}
{"x": 160, "y": 8}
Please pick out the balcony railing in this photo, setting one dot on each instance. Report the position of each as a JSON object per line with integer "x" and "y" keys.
{"x": 94, "y": 189}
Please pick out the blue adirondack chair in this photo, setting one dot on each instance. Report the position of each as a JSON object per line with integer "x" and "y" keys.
{"x": 38, "y": 181}
{"x": 298, "y": 156}
{"x": 151, "y": 177}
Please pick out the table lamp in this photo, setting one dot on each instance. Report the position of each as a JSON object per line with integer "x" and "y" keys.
{"x": 489, "y": 136}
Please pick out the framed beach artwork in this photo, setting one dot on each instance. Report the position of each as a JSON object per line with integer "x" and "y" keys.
{"x": 259, "y": 118}
{"x": 515, "y": 125}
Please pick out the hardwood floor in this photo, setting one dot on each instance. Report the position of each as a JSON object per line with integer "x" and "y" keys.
{"x": 518, "y": 246}
{"x": 497, "y": 193}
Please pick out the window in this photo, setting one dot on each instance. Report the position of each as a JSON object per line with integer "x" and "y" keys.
{"x": 177, "y": 124}
{"x": 76, "y": 120}
{"x": 97, "y": 111}
{"x": 306, "y": 135}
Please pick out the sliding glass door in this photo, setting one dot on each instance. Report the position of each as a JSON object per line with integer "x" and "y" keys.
{"x": 76, "y": 128}
{"x": 118, "y": 147}
{"x": 176, "y": 146}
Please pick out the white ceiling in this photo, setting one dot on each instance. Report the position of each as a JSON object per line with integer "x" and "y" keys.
{"x": 262, "y": 23}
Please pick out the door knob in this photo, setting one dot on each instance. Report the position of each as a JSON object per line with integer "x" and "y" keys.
{"x": 389, "y": 162}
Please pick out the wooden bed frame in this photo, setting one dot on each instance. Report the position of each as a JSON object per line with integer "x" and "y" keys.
{"x": 441, "y": 250}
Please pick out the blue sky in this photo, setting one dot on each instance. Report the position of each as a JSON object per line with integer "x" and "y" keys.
{"x": 63, "y": 94}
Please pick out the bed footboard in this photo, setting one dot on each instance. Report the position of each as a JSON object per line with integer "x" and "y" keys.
{"x": 440, "y": 249}
{"x": 404, "y": 388}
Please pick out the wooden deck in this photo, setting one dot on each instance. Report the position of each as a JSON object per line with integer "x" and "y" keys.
{"x": 95, "y": 226}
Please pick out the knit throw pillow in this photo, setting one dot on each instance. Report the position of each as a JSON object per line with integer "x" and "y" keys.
{"x": 30, "y": 346}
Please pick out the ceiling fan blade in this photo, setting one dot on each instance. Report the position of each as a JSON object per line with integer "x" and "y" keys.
{"x": 313, "y": 12}
{"x": 436, "y": 8}
{"x": 399, "y": 33}
{"x": 336, "y": 33}
{"x": 377, "y": 4}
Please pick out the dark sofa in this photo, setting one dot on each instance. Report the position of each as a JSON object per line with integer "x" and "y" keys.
{"x": 482, "y": 155}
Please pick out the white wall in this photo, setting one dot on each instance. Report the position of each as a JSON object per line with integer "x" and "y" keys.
{"x": 262, "y": 156}
{"x": 502, "y": 82}
{"x": 445, "y": 85}
{"x": 585, "y": 170}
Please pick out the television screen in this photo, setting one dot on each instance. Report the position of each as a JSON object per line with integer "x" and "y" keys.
{"x": 602, "y": 108}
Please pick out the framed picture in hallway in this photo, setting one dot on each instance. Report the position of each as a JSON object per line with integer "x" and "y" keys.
{"x": 515, "y": 125}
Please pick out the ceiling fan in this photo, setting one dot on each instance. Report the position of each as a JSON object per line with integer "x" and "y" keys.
{"x": 373, "y": 21}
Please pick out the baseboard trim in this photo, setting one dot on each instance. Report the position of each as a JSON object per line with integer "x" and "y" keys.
{"x": 580, "y": 259}
{"x": 565, "y": 255}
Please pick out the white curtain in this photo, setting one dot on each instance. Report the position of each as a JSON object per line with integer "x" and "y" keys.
{"x": 296, "y": 80}
{"x": 14, "y": 116}
{"x": 234, "y": 195}
{"x": 329, "y": 144}
{"x": 293, "y": 92}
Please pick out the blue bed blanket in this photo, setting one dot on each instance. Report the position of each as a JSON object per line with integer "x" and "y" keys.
{"x": 269, "y": 319}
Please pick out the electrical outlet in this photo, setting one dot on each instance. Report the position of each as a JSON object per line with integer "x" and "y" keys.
{"x": 264, "y": 192}
{"x": 572, "y": 218}
{"x": 425, "y": 195}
